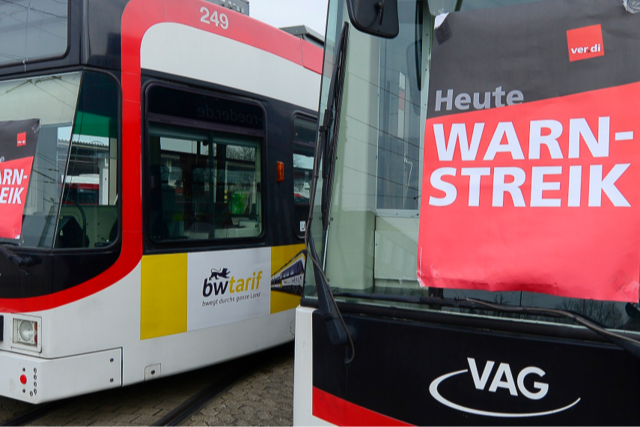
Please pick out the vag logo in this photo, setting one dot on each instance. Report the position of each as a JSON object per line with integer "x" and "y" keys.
{"x": 502, "y": 377}
{"x": 216, "y": 283}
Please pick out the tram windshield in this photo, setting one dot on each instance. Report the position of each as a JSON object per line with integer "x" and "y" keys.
{"x": 370, "y": 246}
{"x": 58, "y": 161}
{"x": 32, "y": 30}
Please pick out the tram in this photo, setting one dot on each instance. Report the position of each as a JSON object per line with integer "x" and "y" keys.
{"x": 471, "y": 253}
{"x": 147, "y": 188}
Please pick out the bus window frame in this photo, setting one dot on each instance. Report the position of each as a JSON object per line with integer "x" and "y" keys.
{"x": 151, "y": 246}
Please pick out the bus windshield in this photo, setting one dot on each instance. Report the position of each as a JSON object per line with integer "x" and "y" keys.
{"x": 371, "y": 244}
{"x": 58, "y": 158}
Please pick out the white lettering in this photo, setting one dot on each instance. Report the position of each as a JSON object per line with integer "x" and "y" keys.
{"x": 475, "y": 175}
{"x": 580, "y": 128}
{"x": 18, "y": 175}
{"x": 538, "y": 185}
{"x": 512, "y": 146}
{"x": 3, "y": 195}
{"x": 597, "y": 185}
{"x": 500, "y": 186}
{"x": 16, "y": 196}
{"x": 479, "y": 381}
{"x": 575, "y": 186}
{"x": 503, "y": 371}
{"x": 542, "y": 387}
{"x": 551, "y": 140}
{"x": 468, "y": 151}
{"x": 6, "y": 179}
{"x": 449, "y": 189}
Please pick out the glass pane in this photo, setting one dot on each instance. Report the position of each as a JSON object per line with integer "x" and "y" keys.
{"x": 372, "y": 235}
{"x": 203, "y": 185}
{"x": 41, "y": 109}
{"x": 399, "y": 113}
{"x": 305, "y": 130}
{"x": 32, "y": 30}
{"x": 304, "y": 145}
{"x": 89, "y": 215}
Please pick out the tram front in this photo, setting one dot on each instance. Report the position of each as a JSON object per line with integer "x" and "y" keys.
{"x": 475, "y": 216}
{"x": 59, "y": 203}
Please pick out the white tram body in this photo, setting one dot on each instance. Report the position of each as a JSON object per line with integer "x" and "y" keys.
{"x": 201, "y": 293}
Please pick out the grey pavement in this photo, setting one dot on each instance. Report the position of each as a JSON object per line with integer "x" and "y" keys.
{"x": 264, "y": 397}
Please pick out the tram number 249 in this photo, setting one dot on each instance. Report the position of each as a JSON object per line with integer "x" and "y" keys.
{"x": 220, "y": 20}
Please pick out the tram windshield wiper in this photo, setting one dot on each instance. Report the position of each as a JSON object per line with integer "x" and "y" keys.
{"x": 627, "y": 343}
{"x": 335, "y": 324}
{"x": 331, "y": 124}
{"x": 15, "y": 258}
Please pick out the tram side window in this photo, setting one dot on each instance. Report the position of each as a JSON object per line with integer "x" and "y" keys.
{"x": 304, "y": 145}
{"x": 202, "y": 184}
{"x": 89, "y": 214}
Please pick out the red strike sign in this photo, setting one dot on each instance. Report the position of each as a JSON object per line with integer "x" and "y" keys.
{"x": 14, "y": 182}
{"x": 541, "y": 197}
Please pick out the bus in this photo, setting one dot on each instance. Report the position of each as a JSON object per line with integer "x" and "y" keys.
{"x": 147, "y": 188}
{"x": 471, "y": 250}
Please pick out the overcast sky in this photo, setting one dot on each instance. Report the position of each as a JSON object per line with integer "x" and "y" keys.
{"x": 286, "y": 13}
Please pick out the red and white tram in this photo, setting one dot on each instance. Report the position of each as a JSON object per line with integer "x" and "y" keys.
{"x": 147, "y": 188}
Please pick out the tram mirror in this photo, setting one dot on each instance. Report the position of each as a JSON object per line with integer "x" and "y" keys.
{"x": 375, "y": 17}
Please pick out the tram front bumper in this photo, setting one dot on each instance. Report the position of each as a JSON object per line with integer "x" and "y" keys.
{"x": 37, "y": 380}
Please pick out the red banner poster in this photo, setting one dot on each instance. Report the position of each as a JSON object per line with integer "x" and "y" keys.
{"x": 532, "y": 153}
{"x": 18, "y": 141}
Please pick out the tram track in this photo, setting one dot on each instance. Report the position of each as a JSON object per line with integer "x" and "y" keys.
{"x": 196, "y": 402}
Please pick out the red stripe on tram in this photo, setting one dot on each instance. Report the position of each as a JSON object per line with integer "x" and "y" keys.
{"x": 344, "y": 413}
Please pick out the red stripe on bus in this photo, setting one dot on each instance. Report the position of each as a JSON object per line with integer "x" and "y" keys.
{"x": 344, "y": 413}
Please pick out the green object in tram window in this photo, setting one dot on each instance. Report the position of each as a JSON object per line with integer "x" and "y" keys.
{"x": 239, "y": 202}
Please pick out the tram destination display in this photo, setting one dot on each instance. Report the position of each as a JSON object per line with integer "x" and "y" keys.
{"x": 532, "y": 151}
{"x": 18, "y": 141}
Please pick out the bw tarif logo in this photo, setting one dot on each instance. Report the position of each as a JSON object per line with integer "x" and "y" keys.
{"x": 217, "y": 285}
{"x": 585, "y": 43}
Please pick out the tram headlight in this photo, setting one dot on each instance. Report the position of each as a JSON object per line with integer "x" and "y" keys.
{"x": 25, "y": 332}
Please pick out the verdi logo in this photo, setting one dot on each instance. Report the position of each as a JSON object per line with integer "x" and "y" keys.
{"x": 517, "y": 384}
{"x": 22, "y": 139}
{"x": 221, "y": 283}
{"x": 585, "y": 43}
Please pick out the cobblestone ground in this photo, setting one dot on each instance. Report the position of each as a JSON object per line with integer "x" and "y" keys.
{"x": 10, "y": 408}
{"x": 264, "y": 397}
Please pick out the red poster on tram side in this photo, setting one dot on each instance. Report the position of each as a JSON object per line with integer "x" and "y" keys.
{"x": 18, "y": 141}
{"x": 532, "y": 152}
